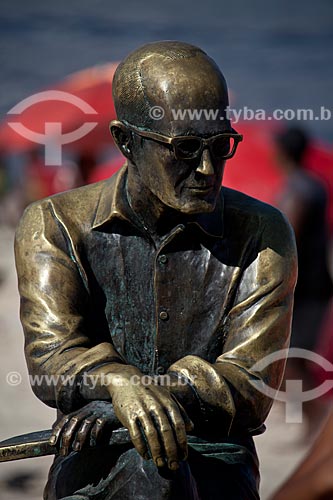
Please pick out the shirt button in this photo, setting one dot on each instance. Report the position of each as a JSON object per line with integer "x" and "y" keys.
{"x": 163, "y": 259}
{"x": 164, "y": 315}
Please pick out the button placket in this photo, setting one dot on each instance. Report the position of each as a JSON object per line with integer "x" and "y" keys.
{"x": 162, "y": 294}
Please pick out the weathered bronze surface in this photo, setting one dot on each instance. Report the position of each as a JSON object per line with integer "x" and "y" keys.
{"x": 157, "y": 271}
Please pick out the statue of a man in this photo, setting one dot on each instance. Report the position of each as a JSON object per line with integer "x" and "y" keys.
{"x": 157, "y": 271}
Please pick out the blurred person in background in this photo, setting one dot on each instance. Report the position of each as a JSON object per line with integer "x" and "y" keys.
{"x": 34, "y": 182}
{"x": 304, "y": 201}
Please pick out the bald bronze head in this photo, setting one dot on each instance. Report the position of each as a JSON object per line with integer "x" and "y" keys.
{"x": 171, "y": 75}
{"x": 165, "y": 95}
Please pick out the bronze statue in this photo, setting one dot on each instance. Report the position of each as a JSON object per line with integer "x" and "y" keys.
{"x": 149, "y": 297}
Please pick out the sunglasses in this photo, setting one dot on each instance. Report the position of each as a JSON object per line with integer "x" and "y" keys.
{"x": 188, "y": 147}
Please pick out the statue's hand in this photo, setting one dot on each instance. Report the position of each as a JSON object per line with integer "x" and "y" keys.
{"x": 157, "y": 423}
{"x": 88, "y": 426}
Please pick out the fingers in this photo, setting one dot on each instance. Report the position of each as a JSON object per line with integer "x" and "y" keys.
{"x": 83, "y": 434}
{"x": 179, "y": 429}
{"x": 151, "y": 427}
{"x": 161, "y": 436}
{"x": 68, "y": 435}
{"x": 156, "y": 423}
{"x": 56, "y": 431}
{"x": 145, "y": 438}
{"x": 168, "y": 441}
{"x": 75, "y": 432}
{"x": 179, "y": 423}
{"x": 100, "y": 431}
{"x": 138, "y": 438}
{"x": 83, "y": 428}
{"x": 65, "y": 432}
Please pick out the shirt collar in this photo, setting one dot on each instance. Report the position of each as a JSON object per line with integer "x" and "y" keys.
{"x": 113, "y": 204}
{"x": 113, "y": 201}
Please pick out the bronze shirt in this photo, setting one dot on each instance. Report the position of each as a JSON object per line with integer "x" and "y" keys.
{"x": 214, "y": 297}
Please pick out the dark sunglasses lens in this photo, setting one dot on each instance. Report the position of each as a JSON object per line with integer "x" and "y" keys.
{"x": 187, "y": 148}
{"x": 222, "y": 146}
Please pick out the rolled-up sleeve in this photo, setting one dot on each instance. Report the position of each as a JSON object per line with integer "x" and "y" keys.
{"x": 59, "y": 343}
{"x": 257, "y": 325}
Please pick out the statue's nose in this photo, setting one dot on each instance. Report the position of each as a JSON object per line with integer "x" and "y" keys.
{"x": 206, "y": 166}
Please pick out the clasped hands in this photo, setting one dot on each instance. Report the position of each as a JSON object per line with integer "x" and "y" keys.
{"x": 156, "y": 421}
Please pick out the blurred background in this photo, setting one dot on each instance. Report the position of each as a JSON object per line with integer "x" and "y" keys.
{"x": 275, "y": 55}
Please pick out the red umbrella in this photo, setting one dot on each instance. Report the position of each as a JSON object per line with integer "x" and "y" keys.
{"x": 79, "y": 105}
{"x": 252, "y": 169}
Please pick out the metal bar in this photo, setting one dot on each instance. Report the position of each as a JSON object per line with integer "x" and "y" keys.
{"x": 36, "y": 444}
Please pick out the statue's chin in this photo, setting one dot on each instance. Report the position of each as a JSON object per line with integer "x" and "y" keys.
{"x": 194, "y": 207}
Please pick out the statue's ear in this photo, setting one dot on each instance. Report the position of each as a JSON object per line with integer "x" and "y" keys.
{"x": 122, "y": 137}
